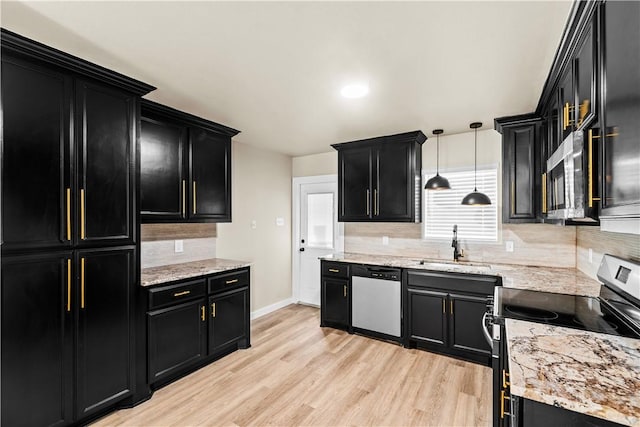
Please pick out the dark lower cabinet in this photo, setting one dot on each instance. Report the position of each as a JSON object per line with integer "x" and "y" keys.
{"x": 444, "y": 313}
{"x": 37, "y": 340}
{"x": 229, "y": 319}
{"x": 529, "y": 413}
{"x": 334, "y": 305}
{"x": 104, "y": 343}
{"x": 427, "y": 316}
{"x": 177, "y": 338}
{"x": 66, "y": 340}
{"x": 193, "y": 322}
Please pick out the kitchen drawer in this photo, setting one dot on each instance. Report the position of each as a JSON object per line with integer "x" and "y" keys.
{"x": 234, "y": 279}
{"x": 460, "y": 282}
{"x": 164, "y": 295}
{"x": 335, "y": 269}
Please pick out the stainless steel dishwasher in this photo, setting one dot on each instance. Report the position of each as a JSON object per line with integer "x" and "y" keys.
{"x": 376, "y": 301}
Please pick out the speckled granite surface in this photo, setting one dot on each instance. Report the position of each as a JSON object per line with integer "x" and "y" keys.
{"x": 587, "y": 372}
{"x": 169, "y": 273}
{"x": 545, "y": 279}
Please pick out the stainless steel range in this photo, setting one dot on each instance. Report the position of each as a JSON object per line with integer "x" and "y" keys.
{"x": 615, "y": 311}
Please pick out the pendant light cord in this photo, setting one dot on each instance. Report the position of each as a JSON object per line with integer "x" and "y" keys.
{"x": 438, "y": 154}
{"x": 475, "y": 159}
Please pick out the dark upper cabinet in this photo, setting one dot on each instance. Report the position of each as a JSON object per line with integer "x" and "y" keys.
{"x": 566, "y": 99}
{"x": 37, "y": 337}
{"x": 104, "y": 316}
{"x": 185, "y": 167}
{"x": 620, "y": 133}
{"x": 36, "y": 167}
{"x": 210, "y": 176}
{"x": 163, "y": 177}
{"x": 69, "y": 150}
{"x": 228, "y": 319}
{"x": 522, "y": 177}
{"x": 585, "y": 81}
{"x": 379, "y": 179}
{"x": 106, "y": 129}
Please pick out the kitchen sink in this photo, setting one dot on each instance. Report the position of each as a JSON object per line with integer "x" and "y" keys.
{"x": 449, "y": 264}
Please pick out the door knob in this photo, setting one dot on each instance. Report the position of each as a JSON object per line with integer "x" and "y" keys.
{"x": 301, "y": 249}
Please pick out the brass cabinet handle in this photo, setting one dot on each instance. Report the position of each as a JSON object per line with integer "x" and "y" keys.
{"x": 444, "y": 307}
{"x": 82, "y": 283}
{"x": 69, "y": 285}
{"x": 202, "y": 309}
{"x": 334, "y": 270}
{"x": 590, "y": 167}
{"x": 184, "y": 198}
{"x": 544, "y": 192}
{"x": 179, "y": 294}
{"x": 513, "y": 197}
{"x": 368, "y": 202}
{"x": 228, "y": 282}
{"x": 503, "y": 397}
{"x": 82, "y": 218}
{"x": 344, "y": 290}
{"x": 451, "y": 306}
{"x": 194, "y": 197}
{"x": 68, "y": 214}
{"x": 505, "y": 375}
{"x": 565, "y": 117}
{"x": 213, "y": 310}
{"x": 375, "y": 202}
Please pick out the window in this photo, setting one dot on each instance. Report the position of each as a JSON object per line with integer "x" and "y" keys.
{"x": 443, "y": 208}
{"x": 320, "y": 220}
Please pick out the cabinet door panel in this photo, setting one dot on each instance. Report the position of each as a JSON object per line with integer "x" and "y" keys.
{"x": 228, "y": 318}
{"x": 585, "y": 78}
{"x": 104, "y": 350}
{"x": 427, "y": 318}
{"x": 519, "y": 196}
{"x": 354, "y": 178}
{"x": 566, "y": 94}
{"x": 335, "y": 301}
{"x": 36, "y": 341}
{"x": 35, "y": 159}
{"x": 162, "y": 170}
{"x": 394, "y": 186}
{"x": 177, "y": 338}
{"x": 621, "y": 58}
{"x": 106, "y": 132}
{"x": 465, "y": 327}
{"x": 210, "y": 188}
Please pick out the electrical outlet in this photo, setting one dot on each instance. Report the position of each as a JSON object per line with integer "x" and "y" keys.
{"x": 280, "y": 222}
{"x": 508, "y": 246}
{"x": 385, "y": 240}
{"x": 590, "y": 256}
{"x": 179, "y": 246}
{"x": 254, "y": 224}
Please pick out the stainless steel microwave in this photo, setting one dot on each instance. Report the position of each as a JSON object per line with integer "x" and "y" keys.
{"x": 570, "y": 180}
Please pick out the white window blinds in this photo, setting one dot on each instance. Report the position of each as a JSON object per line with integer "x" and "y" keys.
{"x": 443, "y": 208}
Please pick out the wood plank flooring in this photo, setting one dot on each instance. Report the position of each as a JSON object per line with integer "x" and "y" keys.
{"x": 298, "y": 374}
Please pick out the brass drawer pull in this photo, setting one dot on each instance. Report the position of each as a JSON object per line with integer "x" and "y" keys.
{"x": 179, "y": 294}
{"x": 505, "y": 375}
{"x": 229, "y": 282}
{"x": 82, "y": 214}
{"x": 344, "y": 290}
{"x": 68, "y": 214}
{"x": 202, "y": 309}
{"x": 502, "y": 399}
{"x": 334, "y": 270}
{"x": 194, "y": 197}
{"x": 213, "y": 310}
{"x": 82, "y": 283}
{"x": 68, "y": 285}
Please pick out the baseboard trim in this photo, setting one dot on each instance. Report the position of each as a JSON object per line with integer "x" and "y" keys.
{"x": 271, "y": 308}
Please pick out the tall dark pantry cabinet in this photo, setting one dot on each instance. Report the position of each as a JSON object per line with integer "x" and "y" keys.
{"x": 69, "y": 235}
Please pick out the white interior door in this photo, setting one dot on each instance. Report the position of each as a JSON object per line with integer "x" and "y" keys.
{"x": 318, "y": 233}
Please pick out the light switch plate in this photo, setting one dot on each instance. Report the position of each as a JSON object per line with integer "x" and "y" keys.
{"x": 280, "y": 222}
{"x": 385, "y": 240}
{"x": 509, "y": 245}
{"x": 254, "y": 224}
{"x": 179, "y": 246}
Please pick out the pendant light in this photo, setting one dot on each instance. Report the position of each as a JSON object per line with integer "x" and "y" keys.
{"x": 475, "y": 198}
{"x": 437, "y": 182}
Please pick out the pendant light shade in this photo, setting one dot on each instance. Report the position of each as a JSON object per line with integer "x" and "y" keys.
{"x": 475, "y": 198}
{"x": 437, "y": 182}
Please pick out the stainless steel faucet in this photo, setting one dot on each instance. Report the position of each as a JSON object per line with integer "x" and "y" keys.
{"x": 457, "y": 252}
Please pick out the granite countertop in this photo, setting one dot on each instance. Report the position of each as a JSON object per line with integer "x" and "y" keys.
{"x": 169, "y": 273}
{"x": 592, "y": 373}
{"x": 545, "y": 279}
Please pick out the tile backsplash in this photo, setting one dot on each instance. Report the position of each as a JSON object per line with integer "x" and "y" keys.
{"x": 534, "y": 244}
{"x": 158, "y": 243}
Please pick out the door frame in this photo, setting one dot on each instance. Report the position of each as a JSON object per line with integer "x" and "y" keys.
{"x": 295, "y": 215}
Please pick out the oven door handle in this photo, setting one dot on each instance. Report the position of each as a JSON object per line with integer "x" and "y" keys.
{"x": 487, "y": 336}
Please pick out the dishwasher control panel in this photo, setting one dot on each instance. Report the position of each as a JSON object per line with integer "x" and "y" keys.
{"x": 377, "y": 272}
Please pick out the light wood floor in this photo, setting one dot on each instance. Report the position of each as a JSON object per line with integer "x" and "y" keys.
{"x": 297, "y": 373}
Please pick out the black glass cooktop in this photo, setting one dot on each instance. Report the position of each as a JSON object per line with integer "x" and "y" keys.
{"x": 571, "y": 311}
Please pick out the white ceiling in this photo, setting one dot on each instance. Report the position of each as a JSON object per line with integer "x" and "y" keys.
{"x": 274, "y": 69}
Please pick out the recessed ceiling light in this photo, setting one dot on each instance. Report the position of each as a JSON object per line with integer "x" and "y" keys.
{"x": 355, "y": 90}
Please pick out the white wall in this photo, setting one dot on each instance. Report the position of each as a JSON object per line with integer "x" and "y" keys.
{"x": 316, "y": 164}
{"x": 261, "y": 192}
